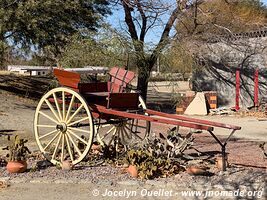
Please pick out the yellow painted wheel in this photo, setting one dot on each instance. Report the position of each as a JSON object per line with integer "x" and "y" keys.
{"x": 63, "y": 126}
{"x": 124, "y": 131}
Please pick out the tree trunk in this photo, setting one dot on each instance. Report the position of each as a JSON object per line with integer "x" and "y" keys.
{"x": 143, "y": 77}
{"x": 142, "y": 84}
{"x": 2, "y": 56}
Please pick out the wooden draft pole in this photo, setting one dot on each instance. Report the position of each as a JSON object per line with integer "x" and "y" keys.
{"x": 256, "y": 89}
{"x": 237, "y": 89}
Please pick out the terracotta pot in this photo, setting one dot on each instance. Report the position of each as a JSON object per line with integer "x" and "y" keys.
{"x": 96, "y": 147}
{"x": 16, "y": 166}
{"x": 133, "y": 171}
{"x": 194, "y": 170}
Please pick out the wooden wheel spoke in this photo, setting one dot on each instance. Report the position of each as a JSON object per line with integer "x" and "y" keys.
{"x": 45, "y": 126}
{"x": 105, "y": 125}
{"x": 126, "y": 133}
{"x": 78, "y": 129}
{"x": 121, "y": 135}
{"x": 113, "y": 136}
{"x": 112, "y": 128}
{"x": 73, "y": 143}
{"x": 133, "y": 133}
{"x": 79, "y": 138}
{"x": 69, "y": 148}
{"x": 63, "y": 105}
{"x": 70, "y": 107}
{"x": 48, "y": 117}
{"x": 62, "y": 147}
{"x": 56, "y": 102}
{"x": 52, "y": 109}
{"x": 75, "y": 113}
{"x": 49, "y": 143}
{"x": 107, "y": 133}
{"x": 47, "y": 134}
{"x": 78, "y": 121}
{"x": 55, "y": 151}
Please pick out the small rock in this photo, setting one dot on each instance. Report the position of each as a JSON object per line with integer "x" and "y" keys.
{"x": 43, "y": 164}
{"x": 105, "y": 182}
{"x": 4, "y": 182}
{"x": 130, "y": 182}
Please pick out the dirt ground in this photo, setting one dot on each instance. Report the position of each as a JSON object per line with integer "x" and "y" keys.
{"x": 16, "y": 117}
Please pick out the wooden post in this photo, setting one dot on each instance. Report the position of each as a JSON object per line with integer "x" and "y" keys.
{"x": 256, "y": 88}
{"x": 237, "y": 89}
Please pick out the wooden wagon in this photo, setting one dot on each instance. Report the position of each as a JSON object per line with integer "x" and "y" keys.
{"x": 69, "y": 118}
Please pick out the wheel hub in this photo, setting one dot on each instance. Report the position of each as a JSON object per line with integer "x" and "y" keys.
{"x": 62, "y": 127}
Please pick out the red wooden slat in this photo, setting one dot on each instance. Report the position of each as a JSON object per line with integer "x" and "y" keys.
{"x": 102, "y": 109}
{"x": 68, "y": 79}
{"x": 188, "y": 119}
{"x": 121, "y": 78}
{"x": 237, "y": 89}
{"x": 256, "y": 88}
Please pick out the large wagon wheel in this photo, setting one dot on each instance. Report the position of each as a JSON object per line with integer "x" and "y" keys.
{"x": 63, "y": 126}
{"x": 123, "y": 130}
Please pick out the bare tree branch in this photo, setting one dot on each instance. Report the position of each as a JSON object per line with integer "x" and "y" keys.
{"x": 129, "y": 20}
{"x": 144, "y": 20}
{"x": 165, "y": 34}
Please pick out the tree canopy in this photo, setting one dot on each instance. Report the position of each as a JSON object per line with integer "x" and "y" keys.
{"x": 220, "y": 17}
{"x": 47, "y": 24}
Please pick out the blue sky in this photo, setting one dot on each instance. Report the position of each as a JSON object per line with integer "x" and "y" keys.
{"x": 265, "y": 2}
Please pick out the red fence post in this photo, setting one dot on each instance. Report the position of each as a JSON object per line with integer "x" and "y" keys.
{"x": 256, "y": 88}
{"x": 237, "y": 89}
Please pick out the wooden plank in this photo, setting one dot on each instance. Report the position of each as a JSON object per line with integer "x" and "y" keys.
{"x": 93, "y": 87}
{"x": 198, "y": 121}
{"x": 68, "y": 79}
{"x": 123, "y": 101}
{"x": 102, "y": 109}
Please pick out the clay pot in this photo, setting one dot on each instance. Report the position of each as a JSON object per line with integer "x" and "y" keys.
{"x": 219, "y": 164}
{"x": 133, "y": 171}
{"x": 66, "y": 165}
{"x": 16, "y": 166}
{"x": 194, "y": 170}
{"x": 96, "y": 147}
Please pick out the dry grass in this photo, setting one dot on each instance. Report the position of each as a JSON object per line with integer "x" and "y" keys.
{"x": 3, "y": 72}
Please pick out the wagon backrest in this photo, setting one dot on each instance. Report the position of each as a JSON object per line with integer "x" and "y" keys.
{"x": 68, "y": 79}
{"x": 119, "y": 79}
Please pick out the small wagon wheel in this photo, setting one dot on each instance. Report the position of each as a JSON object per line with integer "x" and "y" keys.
{"x": 63, "y": 126}
{"x": 124, "y": 131}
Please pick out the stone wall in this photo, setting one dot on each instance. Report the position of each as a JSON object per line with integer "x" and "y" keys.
{"x": 221, "y": 60}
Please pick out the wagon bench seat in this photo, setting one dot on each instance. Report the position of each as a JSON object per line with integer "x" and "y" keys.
{"x": 109, "y": 94}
